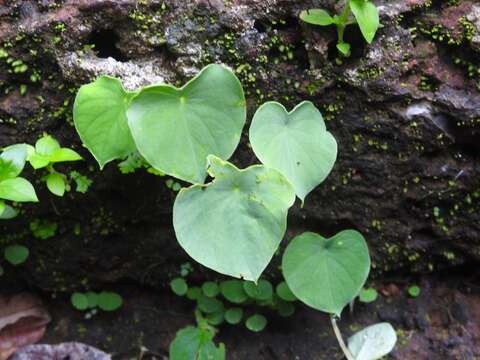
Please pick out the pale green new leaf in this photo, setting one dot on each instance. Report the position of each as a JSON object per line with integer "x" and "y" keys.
{"x": 344, "y": 48}
{"x": 373, "y": 342}
{"x": 326, "y": 274}
{"x": 17, "y": 189}
{"x": 46, "y": 145}
{"x": 8, "y": 212}
{"x": 56, "y": 184}
{"x": 176, "y": 129}
{"x": 317, "y": 17}
{"x": 367, "y": 17}
{"x": 234, "y": 224}
{"x": 12, "y": 161}
{"x": 64, "y": 154}
{"x": 100, "y": 118}
{"x": 297, "y": 144}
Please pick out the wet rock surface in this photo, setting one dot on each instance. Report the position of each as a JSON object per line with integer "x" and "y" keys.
{"x": 405, "y": 112}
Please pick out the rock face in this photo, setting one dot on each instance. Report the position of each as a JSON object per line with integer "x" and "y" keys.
{"x": 405, "y": 112}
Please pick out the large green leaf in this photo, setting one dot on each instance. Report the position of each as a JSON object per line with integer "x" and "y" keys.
{"x": 12, "y": 161}
{"x": 326, "y": 274}
{"x": 100, "y": 118}
{"x": 192, "y": 343}
{"x": 297, "y": 144}
{"x": 234, "y": 224}
{"x": 367, "y": 17}
{"x": 373, "y": 342}
{"x": 176, "y": 129}
{"x": 17, "y": 189}
{"x": 317, "y": 17}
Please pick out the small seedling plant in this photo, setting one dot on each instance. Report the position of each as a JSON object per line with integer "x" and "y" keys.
{"x": 361, "y": 12}
{"x": 17, "y": 189}
{"x": 234, "y": 224}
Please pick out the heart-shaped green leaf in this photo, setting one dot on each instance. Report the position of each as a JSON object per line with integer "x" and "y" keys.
{"x": 193, "y": 343}
{"x": 297, "y": 144}
{"x": 326, "y": 274}
{"x": 100, "y": 118}
{"x": 317, "y": 17}
{"x": 344, "y": 48}
{"x": 367, "y": 17}
{"x": 234, "y": 224}
{"x": 17, "y": 189}
{"x": 373, "y": 342}
{"x": 176, "y": 129}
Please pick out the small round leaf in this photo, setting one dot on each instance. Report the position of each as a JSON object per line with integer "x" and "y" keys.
{"x": 263, "y": 290}
{"x": 79, "y": 301}
{"x": 109, "y": 301}
{"x": 256, "y": 323}
{"x": 16, "y": 254}
{"x": 209, "y": 305}
{"x": 233, "y": 316}
{"x": 179, "y": 286}
{"x": 368, "y": 295}
{"x": 210, "y": 289}
{"x": 233, "y": 291}
{"x": 284, "y": 292}
{"x": 414, "y": 291}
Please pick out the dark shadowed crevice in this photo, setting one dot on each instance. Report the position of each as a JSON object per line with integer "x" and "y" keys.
{"x": 105, "y": 42}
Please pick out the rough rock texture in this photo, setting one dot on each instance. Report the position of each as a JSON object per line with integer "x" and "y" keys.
{"x": 405, "y": 112}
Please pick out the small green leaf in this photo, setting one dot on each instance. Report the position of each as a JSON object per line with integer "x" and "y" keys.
{"x": 192, "y": 343}
{"x": 63, "y": 155}
{"x": 414, "y": 291}
{"x": 109, "y": 301}
{"x": 194, "y": 293}
{"x": 179, "y": 286}
{"x": 8, "y": 213}
{"x": 233, "y": 291}
{"x": 56, "y": 184}
{"x": 12, "y": 161}
{"x": 16, "y": 254}
{"x": 263, "y": 290}
{"x": 373, "y": 342}
{"x": 100, "y": 118}
{"x": 233, "y": 316}
{"x": 216, "y": 318}
{"x": 46, "y": 145}
{"x": 326, "y": 274}
{"x": 256, "y": 323}
{"x": 241, "y": 215}
{"x": 38, "y": 161}
{"x": 204, "y": 117}
{"x": 285, "y": 309}
{"x": 210, "y": 289}
{"x": 368, "y": 295}
{"x": 209, "y": 305}
{"x": 79, "y": 301}
{"x": 316, "y": 17}
{"x": 17, "y": 189}
{"x": 367, "y": 17}
{"x": 295, "y": 143}
{"x": 344, "y": 48}
{"x": 284, "y": 292}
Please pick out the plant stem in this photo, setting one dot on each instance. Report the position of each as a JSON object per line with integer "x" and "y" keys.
{"x": 338, "y": 334}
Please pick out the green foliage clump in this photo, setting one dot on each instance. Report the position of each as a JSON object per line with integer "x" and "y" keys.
{"x": 361, "y": 12}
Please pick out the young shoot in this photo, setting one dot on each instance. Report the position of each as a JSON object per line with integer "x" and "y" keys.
{"x": 361, "y": 12}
